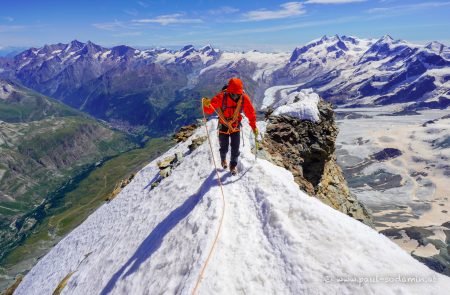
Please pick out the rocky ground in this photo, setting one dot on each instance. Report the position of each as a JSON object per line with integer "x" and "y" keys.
{"x": 307, "y": 149}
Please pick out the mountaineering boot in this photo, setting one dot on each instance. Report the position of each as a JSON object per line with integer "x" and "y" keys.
{"x": 233, "y": 170}
{"x": 224, "y": 164}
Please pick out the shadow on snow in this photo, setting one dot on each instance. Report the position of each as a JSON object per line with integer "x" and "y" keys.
{"x": 154, "y": 240}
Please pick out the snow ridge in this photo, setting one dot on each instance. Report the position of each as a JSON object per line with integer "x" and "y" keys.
{"x": 275, "y": 238}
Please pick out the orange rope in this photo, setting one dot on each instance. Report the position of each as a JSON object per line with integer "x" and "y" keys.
{"x": 200, "y": 276}
{"x": 234, "y": 118}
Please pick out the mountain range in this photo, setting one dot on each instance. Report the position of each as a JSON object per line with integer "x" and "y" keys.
{"x": 158, "y": 89}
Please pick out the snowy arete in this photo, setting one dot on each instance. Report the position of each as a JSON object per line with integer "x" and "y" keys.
{"x": 275, "y": 239}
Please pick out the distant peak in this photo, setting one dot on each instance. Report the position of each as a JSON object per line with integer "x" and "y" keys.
{"x": 350, "y": 39}
{"x": 92, "y": 45}
{"x": 334, "y": 38}
{"x": 122, "y": 50}
{"x": 76, "y": 42}
{"x": 74, "y": 45}
{"x": 386, "y": 38}
{"x": 206, "y": 48}
{"x": 433, "y": 44}
{"x": 187, "y": 47}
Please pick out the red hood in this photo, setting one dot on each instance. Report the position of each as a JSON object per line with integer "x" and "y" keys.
{"x": 235, "y": 85}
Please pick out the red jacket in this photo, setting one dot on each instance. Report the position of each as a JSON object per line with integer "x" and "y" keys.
{"x": 217, "y": 102}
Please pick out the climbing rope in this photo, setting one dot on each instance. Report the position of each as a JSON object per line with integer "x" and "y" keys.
{"x": 200, "y": 276}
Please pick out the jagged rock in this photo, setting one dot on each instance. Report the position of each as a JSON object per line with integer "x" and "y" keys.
{"x": 165, "y": 172}
{"x": 334, "y": 191}
{"x": 178, "y": 157}
{"x": 118, "y": 188}
{"x": 13, "y": 287}
{"x": 307, "y": 150}
{"x": 185, "y": 132}
{"x": 166, "y": 166}
{"x": 166, "y": 162}
{"x": 196, "y": 142}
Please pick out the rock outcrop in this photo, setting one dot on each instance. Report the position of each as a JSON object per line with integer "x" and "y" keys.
{"x": 167, "y": 164}
{"x": 184, "y": 133}
{"x": 119, "y": 187}
{"x": 307, "y": 149}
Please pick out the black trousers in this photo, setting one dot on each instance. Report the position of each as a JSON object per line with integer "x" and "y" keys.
{"x": 225, "y": 140}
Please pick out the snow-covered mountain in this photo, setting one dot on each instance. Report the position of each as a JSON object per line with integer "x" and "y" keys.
{"x": 348, "y": 70}
{"x": 275, "y": 239}
{"x": 50, "y": 60}
{"x": 135, "y": 87}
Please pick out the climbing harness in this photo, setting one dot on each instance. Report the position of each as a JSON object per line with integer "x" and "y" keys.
{"x": 229, "y": 122}
{"x": 200, "y": 276}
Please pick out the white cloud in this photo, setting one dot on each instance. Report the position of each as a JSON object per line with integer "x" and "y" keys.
{"x": 132, "y": 12}
{"x": 288, "y": 9}
{"x": 407, "y": 7}
{"x": 143, "y": 4}
{"x": 110, "y": 26}
{"x": 223, "y": 10}
{"x": 9, "y": 29}
{"x": 8, "y": 18}
{"x": 127, "y": 34}
{"x": 332, "y": 1}
{"x": 290, "y": 27}
{"x": 164, "y": 20}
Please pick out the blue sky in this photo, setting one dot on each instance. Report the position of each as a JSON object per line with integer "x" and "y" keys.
{"x": 263, "y": 25}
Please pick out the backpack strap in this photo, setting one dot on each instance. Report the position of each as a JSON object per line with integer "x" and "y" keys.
{"x": 229, "y": 122}
{"x": 224, "y": 101}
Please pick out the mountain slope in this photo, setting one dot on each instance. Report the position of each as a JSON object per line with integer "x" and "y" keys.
{"x": 43, "y": 145}
{"x": 274, "y": 239}
{"x": 18, "y": 104}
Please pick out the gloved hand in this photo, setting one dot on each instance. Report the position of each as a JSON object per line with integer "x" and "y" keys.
{"x": 206, "y": 102}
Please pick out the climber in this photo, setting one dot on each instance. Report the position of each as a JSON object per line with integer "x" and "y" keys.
{"x": 228, "y": 105}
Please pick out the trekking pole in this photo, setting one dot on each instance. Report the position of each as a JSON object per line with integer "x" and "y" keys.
{"x": 256, "y": 147}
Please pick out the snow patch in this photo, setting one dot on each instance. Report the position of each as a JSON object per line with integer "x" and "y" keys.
{"x": 273, "y": 94}
{"x": 5, "y": 90}
{"x": 299, "y": 104}
{"x": 165, "y": 57}
{"x": 144, "y": 54}
{"x": 105, "y": 54}
{"x": 266, "y": 63}
{"x": 24, "y": 64}
{"x": 67, "y": 57}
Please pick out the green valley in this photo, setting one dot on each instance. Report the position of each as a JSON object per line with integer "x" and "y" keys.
{"x": 57, "y": 165}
